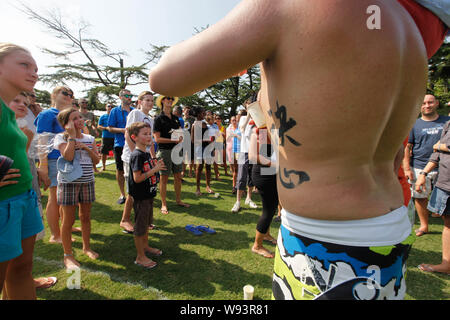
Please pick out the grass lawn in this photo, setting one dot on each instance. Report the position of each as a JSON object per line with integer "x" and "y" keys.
{"x": 192, "y": 267}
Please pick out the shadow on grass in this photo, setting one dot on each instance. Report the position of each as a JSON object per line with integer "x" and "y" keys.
{"x": 426, "y": 285}
{"x": 190, "y": 267}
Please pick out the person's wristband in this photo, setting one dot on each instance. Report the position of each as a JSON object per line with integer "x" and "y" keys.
{"x": 423, "y": 173}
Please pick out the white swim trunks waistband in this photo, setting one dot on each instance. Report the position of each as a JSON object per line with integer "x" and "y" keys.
{"x": 389, "y": 229}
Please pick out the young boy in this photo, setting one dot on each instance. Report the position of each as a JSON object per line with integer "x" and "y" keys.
{"x": 142, "y": 187}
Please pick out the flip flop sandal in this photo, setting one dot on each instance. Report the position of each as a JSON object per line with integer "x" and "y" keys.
{"x": 51, "y": 281}
{"x": 267, "y": 255}
{"x": 419, "y": 232}
{"x": 206, "y": 229}
{"x": 193, "y": 229}
{"x": 165, "y": 212}
{"x": 156, "y": 252}
{"x": 127, "y": 231}
{"x": 427, "y": 268}
{"x": 272, "y": 241}
{"x": 149, "y": 265}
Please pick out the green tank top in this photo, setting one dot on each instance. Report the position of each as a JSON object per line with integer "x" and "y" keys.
{"x": 13, "y": 145}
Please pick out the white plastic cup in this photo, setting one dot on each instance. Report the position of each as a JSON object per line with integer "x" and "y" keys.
{"x": 257, "y": 114}
{"x": 248, "y": 292}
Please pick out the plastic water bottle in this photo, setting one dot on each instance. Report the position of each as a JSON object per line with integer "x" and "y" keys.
{"x": 411, "y": 212}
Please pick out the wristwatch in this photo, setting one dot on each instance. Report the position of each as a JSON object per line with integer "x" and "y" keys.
{"x": 424, "y": 173}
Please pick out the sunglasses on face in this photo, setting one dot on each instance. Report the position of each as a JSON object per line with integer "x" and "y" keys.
{"x": 169, "y": 98}
{"x": 67, "y": 94}
{"x": 128, "y": 96}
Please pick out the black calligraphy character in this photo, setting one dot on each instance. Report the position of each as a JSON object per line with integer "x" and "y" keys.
{"x": 285, "y": 125}
{"x": 302, "y": 177}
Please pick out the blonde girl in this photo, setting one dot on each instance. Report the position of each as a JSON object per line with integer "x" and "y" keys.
{"x": 47, "y": 126}
{"x": 79, "y": 148}
{"x": 19, "y": 215}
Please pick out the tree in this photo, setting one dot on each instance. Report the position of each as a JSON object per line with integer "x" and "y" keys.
{"x": 105, "y": 79}
{"x": 439, "y": 73}
{"x": 43, "y": 97}
{"x": 226, "y": 96}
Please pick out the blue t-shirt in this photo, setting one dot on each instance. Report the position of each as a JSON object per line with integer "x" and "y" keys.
{"x": 103, "y": 121}
{"x": 423, "y": 136}
{"x": 236, "y": 141}
{"x": 118, "y": 119}
{"x": 46, "y": 121}
{"x": 181, "y": 121}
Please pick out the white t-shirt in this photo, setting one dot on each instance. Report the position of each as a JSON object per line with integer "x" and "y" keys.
{"x": 245, "y": 140}
{"x": 28, "y": 121}
{"x": 83, "y": 155}
{"x": 135, "y": 115}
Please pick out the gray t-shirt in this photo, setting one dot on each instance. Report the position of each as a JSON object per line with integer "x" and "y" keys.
{"x": 443, "y": 160}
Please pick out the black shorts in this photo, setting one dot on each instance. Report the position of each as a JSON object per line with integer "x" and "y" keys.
{"x": 107, "y": 145}
{"x": 143, "y": 216}
{"x": 244, "y": 176}
{"x": 118, "y": 157}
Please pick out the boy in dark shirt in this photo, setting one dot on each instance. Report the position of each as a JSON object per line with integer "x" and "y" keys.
{"x": 143, "y": 187}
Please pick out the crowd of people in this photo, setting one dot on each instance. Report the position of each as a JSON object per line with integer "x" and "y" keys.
{"x": 343, "y": 217}
{"x": 62, "y": 157}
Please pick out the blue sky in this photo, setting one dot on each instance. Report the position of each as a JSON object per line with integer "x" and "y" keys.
{"x": 128, "y": 26}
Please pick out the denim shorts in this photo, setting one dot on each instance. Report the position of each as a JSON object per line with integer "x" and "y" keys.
{"x": 439, "y": 202}
{"x": 53, "y": 172}
{"x": 19, "y": 220}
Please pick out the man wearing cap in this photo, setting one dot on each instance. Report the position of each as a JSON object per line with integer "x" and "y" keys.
{"x": 345, "y": 233}
{"x": 116, "y": 123}
{"x": 164, "y": 126}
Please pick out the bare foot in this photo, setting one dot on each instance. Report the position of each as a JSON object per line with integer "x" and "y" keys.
{"x": 91, "y": 254}
{"x": 153, "y": 251}
{"x": 420, "y": 232}
{"x": 164, "y": 210}
{"x": 54, "y": 240}
{"x": 263, "y": 252}
{"x": 198, "y": 193}
{"x": 127, "y": 226}
{"x": 70, "y": 262}
{"x": 145, "y": 262}
{"x": 270, "y": 239}
{"x": 44, "y": 283}
{"x": 209, "y": 190}
{"x": 441, "y": 268}
{"x": 76, "y": 229}
{"x": 182, "y": 204}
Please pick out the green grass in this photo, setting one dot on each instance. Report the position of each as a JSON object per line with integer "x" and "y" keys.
{"x": 192, "y": 267}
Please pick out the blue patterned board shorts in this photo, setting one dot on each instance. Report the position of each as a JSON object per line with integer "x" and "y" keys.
{"x": 19, "y": 220}
{"x": 306, "y": 269}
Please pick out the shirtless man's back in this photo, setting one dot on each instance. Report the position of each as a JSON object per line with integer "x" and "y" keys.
{"x": 343, "y": 98}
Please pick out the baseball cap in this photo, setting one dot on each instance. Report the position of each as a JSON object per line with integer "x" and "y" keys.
{"x": 70, "y": 170}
